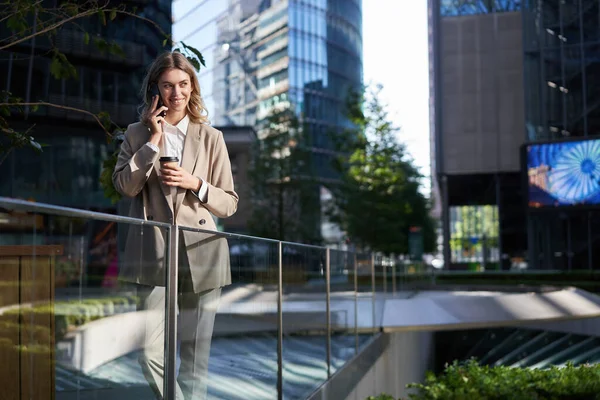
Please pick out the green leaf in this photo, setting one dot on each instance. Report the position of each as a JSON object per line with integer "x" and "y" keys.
{"x": 71, "y": 8}
{"x": 86, "y": 38}
{"x": 17, "y": 24}
{"x": 102, "y": 17}
{"x": 101, "y": 44}
{"x": 194, "y": 62}
{"x": 104, "y": 118}
{"x": 116, "y": 49}
{"x": 55, "y": 68}
{"x": 113, "y": 14}
{"x": 196, "y": 52}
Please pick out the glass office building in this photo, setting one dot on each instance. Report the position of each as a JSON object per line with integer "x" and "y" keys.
{"x": 562, "y": 78}
{"x": 267, "y": 55}
{"x": 67, "y": 171}
{"x": 562, "y": 68}
{"x": 506, "y": 74}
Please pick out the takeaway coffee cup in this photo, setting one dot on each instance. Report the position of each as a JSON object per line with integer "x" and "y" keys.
{"x": 168, "y": 160}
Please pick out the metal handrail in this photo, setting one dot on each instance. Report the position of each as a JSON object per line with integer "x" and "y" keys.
{"x": 23, "y": 205}
{"x": 225, "y": 234}
{"x": 172, "y": 239}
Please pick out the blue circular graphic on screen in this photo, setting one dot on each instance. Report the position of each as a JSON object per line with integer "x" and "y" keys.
{"x": 575, "y": 174}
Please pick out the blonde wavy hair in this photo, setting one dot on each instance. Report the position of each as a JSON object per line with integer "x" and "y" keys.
{"x": 196, "y": 110}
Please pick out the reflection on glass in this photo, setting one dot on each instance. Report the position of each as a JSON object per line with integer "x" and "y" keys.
{"x": 66, "y": 318}
{"x": 343, "y": 309}
{"x": 304, "y": 320}
{"x": 243, "y": 359}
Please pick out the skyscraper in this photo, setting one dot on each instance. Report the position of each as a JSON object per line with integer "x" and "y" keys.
{"x": 266, "y": 55}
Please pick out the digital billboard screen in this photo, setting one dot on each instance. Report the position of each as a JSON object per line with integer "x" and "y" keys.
{"x": 563, "y": 173}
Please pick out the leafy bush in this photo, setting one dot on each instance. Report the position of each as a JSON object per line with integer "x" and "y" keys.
{"x": 470, "y": 380}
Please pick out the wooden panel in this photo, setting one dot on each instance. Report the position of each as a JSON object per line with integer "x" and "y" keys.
{"x": 37, "y": 360}
{"x": 42, "y": 250}
{"x": 9, "y": 328}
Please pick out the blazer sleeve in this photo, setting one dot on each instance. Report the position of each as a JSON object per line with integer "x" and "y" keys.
{"x": 133, "y": 167}
{"x": 221, "y": 198}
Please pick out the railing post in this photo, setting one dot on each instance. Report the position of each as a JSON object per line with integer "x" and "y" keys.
{"x": 355, "y": 304}
{"x": 384, "y": 274}
{"x": 373, "y": 289}
{"x": 394, "y": 276}
{"x": 328, "y": 307}
{"x": 280, "y": 322}
{"x": 172, "y": 253}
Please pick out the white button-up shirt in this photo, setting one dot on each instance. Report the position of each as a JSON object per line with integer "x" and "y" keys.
{"x": 172, "y": 145}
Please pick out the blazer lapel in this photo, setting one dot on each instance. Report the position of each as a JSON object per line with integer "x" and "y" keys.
{"x": 191, "y": 147}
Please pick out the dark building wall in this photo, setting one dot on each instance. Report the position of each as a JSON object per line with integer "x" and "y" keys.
{"x": 482, "y": 86}
{"x": 562, "y": 68}
{"x": 478, "y": 126}
{"x": 67, "y": 171}
{"x": 562, "y": 78}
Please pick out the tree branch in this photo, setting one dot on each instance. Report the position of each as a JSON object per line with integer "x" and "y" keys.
{"x": 50, "y": 28}
{"x": 84, "y": 14}
{"x": 43, "y": 103}
{"x": 15, "y": 13}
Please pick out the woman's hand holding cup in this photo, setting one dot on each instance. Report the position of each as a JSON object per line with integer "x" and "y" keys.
{"x": 171, "y": 174}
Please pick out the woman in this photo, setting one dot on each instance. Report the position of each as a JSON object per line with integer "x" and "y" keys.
{"x": 174, "y": 123}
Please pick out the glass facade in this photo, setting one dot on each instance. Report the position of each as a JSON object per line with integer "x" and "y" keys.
{"x": 562, "y": 68}
{"x": 67, "y": 171}
{"x": 449, "y": 8}
{"x": 274, "y": 55}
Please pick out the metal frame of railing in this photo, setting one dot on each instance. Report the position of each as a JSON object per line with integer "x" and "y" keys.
{"x": 171, "y": 258}
{"x": 377, "y": 274}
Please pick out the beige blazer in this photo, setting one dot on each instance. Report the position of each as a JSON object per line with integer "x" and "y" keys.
{"x": 136, "y": 176}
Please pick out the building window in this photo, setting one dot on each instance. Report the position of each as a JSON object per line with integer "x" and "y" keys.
{"x": 474, "y": 236}
{"x": 451, "y": 8}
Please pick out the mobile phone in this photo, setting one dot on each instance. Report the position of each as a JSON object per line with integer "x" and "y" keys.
{"x": 153, "y": 91}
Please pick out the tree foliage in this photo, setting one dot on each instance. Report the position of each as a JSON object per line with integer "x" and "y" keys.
{"x": 22, "y": 21}
{"x": 470, "y": 380}
{"x": 284, "y": 189}
{"x": 377, "y": 199}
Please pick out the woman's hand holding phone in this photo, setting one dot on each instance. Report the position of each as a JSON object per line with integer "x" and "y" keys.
{"x": 155, "y": 120}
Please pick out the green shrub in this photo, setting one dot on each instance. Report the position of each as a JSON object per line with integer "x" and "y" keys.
{"x": 470, "y": 380}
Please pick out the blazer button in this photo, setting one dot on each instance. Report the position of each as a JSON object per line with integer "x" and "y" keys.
{"x": 150, "y": 218}
{"x": 202, "y": 221}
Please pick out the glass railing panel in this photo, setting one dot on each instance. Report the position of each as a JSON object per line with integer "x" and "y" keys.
{"x": 365, "y": 300}
{"x": 381, "y": 272}
{"x": 227, "y": 326}
{"x": 345, "y": 340}
{"x": 382, "y": 286}
{"x": 74, "y": 317}
{"x": 304, "y": 320}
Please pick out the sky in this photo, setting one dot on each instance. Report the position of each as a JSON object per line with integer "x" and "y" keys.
{"x": 395, "y": 54}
